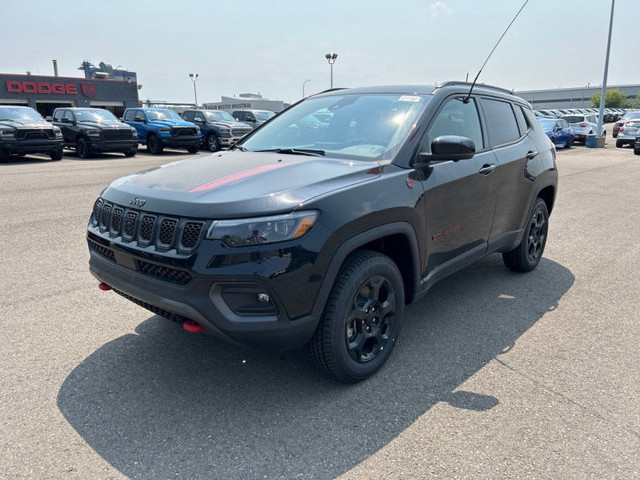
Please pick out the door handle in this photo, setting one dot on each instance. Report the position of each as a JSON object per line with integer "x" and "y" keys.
{"x": 531, "y": 154}
{"x": 487, "y": 169}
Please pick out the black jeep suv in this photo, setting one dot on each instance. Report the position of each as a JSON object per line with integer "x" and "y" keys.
{"x": 318, "y": 235}
{"x": 95, "y": 130}
{"x": 23, "y": 130}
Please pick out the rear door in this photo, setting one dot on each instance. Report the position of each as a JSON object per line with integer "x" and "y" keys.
{"x": 509, "y": 140}
{"x": 459, "y": 196}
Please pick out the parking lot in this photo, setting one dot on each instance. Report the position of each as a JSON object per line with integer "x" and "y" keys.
{"x": 496, "y": 374}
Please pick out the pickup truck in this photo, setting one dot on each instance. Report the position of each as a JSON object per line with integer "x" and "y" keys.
{"x": 161, "y": 127}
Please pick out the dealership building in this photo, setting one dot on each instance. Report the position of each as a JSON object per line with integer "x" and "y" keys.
{"x": 248, "y": 101}
{"x": 45, "y": 94}
{"x": 578, "y": 97}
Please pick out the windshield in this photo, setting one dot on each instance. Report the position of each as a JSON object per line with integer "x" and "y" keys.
{"x": 163, "y": 114}
{"x": 264, "y": 116}
{"x": 361, "y": 126}
{"x": 574, "y": 118}
{"x": 219, "y": 117}
{"x": 20, "y": 114}
{"x": 98, "y": 115}
{"x": 547, "y": 123}
{"x": 629, "y": 115}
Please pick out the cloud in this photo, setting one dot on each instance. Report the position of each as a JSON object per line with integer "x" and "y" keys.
{"x": 438, "y": 7}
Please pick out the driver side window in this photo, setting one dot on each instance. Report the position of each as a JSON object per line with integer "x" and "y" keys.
{"x": 457, "y": 118}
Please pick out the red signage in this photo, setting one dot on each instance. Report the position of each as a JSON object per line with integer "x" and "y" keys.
{"x": 88, "y": 89}
{"x": 55, "y": 88}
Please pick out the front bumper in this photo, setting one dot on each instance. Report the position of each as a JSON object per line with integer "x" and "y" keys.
{"x": 180, "y": 141}
{"x": 32, "y": 146}
{"x": 100, "y": 145}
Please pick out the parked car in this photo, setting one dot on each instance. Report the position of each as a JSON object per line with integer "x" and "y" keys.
{"x": 23, "y": 130}
{"x": 95, "y": 130}
{"x": 558, "y": 130}
{"x": 627, "y": 116}
{"x": 219, "y": 129}
{"x": 583, "y": 125}
{"x": 287, "y": 241}
{"x": 253, "y": 118}
{"x": 627, "y": 133}
{"x": 161, "y": 127}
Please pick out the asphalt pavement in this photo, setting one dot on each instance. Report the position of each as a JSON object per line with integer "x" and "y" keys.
{"x": 495, "y": 375}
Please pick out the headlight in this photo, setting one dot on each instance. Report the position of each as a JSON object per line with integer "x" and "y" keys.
{"x": 257, "y": 231}
{"x": 164, "y": 130}
{"x": 197, "y": 130}
{"x": 6, "y": 133}
{"x": 134, "y": 133}
{"x": 93, "y": 133}
{"x": 56, "y": 130}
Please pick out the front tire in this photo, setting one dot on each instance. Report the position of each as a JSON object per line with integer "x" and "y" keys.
{"x": 153, "y": 145}
{"x": 362, "y": 318}
{"x": 82, "y": 148}
{"x": 5, "y": 155}
{"x": 569, "y": 143}
{"x": 193, "y": 149}
{"x": 56, "y": 155}
{"x": 213, "y": 144}
{"x": 131, "y": 153}
{"x": 526, "y": 256}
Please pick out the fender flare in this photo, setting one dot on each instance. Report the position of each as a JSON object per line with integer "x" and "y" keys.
{"x": 403, "y": 228}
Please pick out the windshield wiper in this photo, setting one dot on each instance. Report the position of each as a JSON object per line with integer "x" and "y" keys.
{"x": 296, "y": 151}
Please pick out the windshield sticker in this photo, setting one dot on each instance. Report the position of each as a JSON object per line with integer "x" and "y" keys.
{"x": 409, "y": 98}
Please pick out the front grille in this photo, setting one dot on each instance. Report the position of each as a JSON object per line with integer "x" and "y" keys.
{"x": 116, "y": 134}
{"x": 167, "y": 229}
{"x": 34, "y": 134}
{"x": 147, "y": 229}
{"x": 102, "y": 250}
{"x": 182, "y": 131}
{"x": 168, "y": 274}
{"x": 152, "y": 308}
{"x": 191, "y": 234}
{"x": 239, "y": 132}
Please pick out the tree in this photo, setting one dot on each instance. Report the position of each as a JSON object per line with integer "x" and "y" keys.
{"x": 613, "y": 99}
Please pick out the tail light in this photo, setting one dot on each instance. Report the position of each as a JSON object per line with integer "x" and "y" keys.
{"x": 583, "y": 124}
{"x": 620, "y": 129}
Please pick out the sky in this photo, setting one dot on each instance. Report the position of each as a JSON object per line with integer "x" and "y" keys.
{"x": 272, "y": 46}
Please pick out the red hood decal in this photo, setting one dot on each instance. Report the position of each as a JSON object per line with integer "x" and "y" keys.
{"x": 236, "y": 176}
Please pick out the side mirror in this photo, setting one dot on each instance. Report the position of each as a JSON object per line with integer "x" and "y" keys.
{"x": 48, "y": 119}
{"x": 139, "y": 119}
{"x": 448, "y": 147}
{"x": 197, "y": 120}
{"x": 65, "y": 120}
{"x": 121, "y": 119}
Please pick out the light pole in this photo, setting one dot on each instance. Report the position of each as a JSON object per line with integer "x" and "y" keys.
{"x": 194, "y": 79}
{"x": 603, "y": 92}
{"x": 331, "y": 58}
{"x": 303, "y": 84}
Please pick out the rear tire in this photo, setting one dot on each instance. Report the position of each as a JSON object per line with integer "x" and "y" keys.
{"x": 57, "y": 155}
{"x": 361, "y": 320}
{"x": 636, "y": 150}
{"x": 619, "y": 143}
{"x": 82, "y": 148}
{"x": 153, "y": 145}
{"x": 526, "y": 256}
{"x": 569, "y": 143}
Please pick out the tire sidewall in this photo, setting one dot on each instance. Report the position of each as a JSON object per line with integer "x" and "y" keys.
{"x": 82, "y": 148}
{"x": 216, "y": 143}
{"x": 539, "y": 205}
{"x": 153, "y": 145}
{"x": 378, "y": 265}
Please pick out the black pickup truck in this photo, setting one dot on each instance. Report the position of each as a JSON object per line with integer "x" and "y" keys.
{"x": 23, "y": 130}
{"x": 318, "y": 233}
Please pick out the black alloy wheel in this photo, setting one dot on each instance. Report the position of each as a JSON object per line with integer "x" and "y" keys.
{"x": 213, "y": 144}
{"x": 370, "y": 322}
{"x": 193, "y": 149}
{"x": 82, "y": 148}
{"x": 526, "y": 256}
{"x": 362, "y": 318}
{"x": 153, "y": 145}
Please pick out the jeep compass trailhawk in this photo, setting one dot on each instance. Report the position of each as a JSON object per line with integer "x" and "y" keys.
{"x": 319, "y": 233}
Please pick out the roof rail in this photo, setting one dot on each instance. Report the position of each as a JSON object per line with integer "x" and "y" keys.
{"x": 482, "y": 85}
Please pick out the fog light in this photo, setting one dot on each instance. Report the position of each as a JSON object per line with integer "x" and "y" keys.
{"x": 263, "y": 298}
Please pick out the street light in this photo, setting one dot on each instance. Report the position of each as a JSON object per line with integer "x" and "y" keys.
{"x": 194, "y": 79}
{"x": 303, "y": 84}
{"x": 331, "y": 58}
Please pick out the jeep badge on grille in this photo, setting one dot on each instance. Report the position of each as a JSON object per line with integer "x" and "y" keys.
{"x": 138, "y": 202}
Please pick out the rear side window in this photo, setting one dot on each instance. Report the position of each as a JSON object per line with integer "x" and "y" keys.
{"x": 457, "y": 118}
{"x": 501, "y": 122}
{"x": 522, "y": 124}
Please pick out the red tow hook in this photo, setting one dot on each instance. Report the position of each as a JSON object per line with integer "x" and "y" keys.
{"x": 104, "y": 287}
{"x": 192, "y": 326}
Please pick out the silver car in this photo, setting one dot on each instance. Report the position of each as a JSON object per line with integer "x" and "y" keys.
{"x": 627, "y": 133}
{"x": 583, "y": 125}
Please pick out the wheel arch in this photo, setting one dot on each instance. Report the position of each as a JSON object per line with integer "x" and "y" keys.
{"x": 396, "y": 240}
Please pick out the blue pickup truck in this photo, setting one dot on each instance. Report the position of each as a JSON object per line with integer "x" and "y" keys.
{"x": 161, "y": 127}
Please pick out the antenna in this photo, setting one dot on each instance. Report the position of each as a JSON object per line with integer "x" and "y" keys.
{"x": 466, "y": 100}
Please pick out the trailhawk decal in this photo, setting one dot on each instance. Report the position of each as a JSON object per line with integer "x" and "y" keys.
{"x": 236, "y": 176}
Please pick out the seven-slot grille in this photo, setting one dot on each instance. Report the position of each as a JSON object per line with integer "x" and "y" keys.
{"x": 181, "y": 131}
{"x": 239, "y": 132}
{"x": 34, "y": 134}
{"x": 165, "y": 233}
{"x": 116, "y": 134}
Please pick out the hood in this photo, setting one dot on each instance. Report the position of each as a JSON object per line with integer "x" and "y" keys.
{"x": 238, "y": 184}
{"x": 172, "y": 123}
{"x": 25, "y": 124}
{"x": 100, "y": 125}
{"x": 220, "y": 123}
